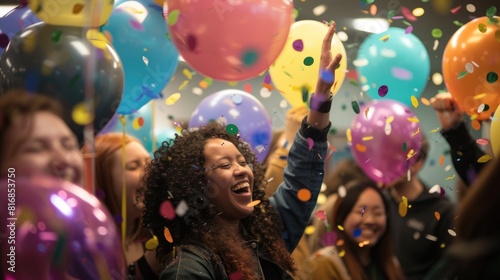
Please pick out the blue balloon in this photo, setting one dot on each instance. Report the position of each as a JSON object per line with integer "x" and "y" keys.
{"x": 14, "y": 21}
{"x": 140, "y": 125}
{"x": 393, "y": 65}
{"x": 242, "y": 113}
{"x": 149, "y": 57}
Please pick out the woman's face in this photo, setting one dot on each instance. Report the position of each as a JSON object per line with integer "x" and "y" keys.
{"x": 367, "y": 221}
{"x": 230, "y": 179}
{"x": 50, "y": 148}
{"x": 136, "y": 158}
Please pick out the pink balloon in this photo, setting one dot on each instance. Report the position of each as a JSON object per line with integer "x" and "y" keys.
{"x": 386, "y": 139}
{"x": 229, "y": 40}
{"x": 56, "y": 230}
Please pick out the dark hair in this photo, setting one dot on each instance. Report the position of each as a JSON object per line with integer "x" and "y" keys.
{"x": 176, "y": 175}
{"x": 19, "y": 103}
{"x": 382, "y": 252}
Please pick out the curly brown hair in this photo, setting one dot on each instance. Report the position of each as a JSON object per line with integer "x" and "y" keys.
{"x": 176, "y": 174}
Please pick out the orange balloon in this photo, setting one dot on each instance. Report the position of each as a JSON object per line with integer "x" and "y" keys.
{"x": 159, "y": 2}
{"x": 471, "y": 66}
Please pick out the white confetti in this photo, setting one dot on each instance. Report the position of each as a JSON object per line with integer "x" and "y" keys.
{"x": 146, "y": 60}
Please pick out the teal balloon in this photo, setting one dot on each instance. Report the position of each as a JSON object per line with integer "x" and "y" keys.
{"x": 145, "y": 132}
{"x": 141, "y": 39}
{"x": 393, "y": 65}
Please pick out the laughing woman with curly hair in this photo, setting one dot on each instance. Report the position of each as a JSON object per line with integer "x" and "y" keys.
{"x": 206, "y": 204}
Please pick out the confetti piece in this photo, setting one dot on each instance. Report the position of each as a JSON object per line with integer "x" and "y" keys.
{"x": 385, "y": 37}
{"x": 402, "y": 209}
{"x": 182, "y": 207}
{"x": 437, "y": 33}
{"x": 167, "y": 235}
{"x": 304, "y": 194}
{"x": 360, "y": 148}
{"x": 367, "y": 138}
{"x": 355, "y": 106}
{"x": 237, "y": 99}
{"x": 437, "y": 215}
{"x": 414, "y": 101}
{"x": 441, "y": 160}
{"x": 455, "y": 10}
{"x": 430, "y": 237}
{"x": 387, "y": 129}
{"x": 172, "y": 17}
{"x": 329, "y": 238}
{"x": 407, "y": 14}
{"x": 310, "y": 143}
{"x": 232, "y": 129}
{"x": 341, "y": 228}
{"x": 491, "y": 77}
{"x": 482, "y": 141}
{"x": 310, "y": 230}
{"x": 248, "y": 87}
{"x": 482, "y": 28}
{"x": 348, "y": 135}
{"x": 383, "y": 90}
{"x": 462, "y": 74}
{"x": 253, "y": 203}
{"x": 308, "y": 61}
{"x": 452, "y": 232}
{"x": 342, "y": 253}
{"x": 167, "y": 210}
{"x": 408, "y": 29}
{"x": 172, "y": 99}
{"x": 356, "y": 233}
{"x": 320, "y": 214}
{"x": 373, "y": 9}
{"x": 183, "y": 85}
{"x": 450, "y": 177}
{"x": 187, "y": 73}
{"x": 413, "y": 120}
{"x": 82, "y": 114}
{"x": 405, "y": 200}
{"x": 249, "y": 58}
{"x": 152, "y": 243}
{"x": 77, "y": 8}
{"x": 484, "y": 158}
{"x": 56, "y": 36}
{"x": 476, "y": 125}
{"x": 298, "y": 45}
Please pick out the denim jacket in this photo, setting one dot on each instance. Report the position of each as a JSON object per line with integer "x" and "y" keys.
{"x": 305, "y": 169}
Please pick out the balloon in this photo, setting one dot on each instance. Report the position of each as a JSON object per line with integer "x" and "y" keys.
{"x": 140, "y": 125}
{"x": 296, "y": 70}
{"x": 14, "y": 21}
{"x": 57, "y": 61}
{"x": 471, "y": 65}
{"x": 93, "y": 13}
{"x": 393, "y": 65}
{"x": 386, "y": 139}
{"x": 229, "y": 40}
{"x": 149, "y": 57}
{"x": 495, "y": 133}
{"x": 59, "y": 230}
{"x": 242, "y": 113}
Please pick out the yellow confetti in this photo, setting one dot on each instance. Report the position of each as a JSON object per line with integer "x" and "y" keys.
{"x": 442, "y": 245}
{"x": 82, "y": 114}
{"x": 366, "y": 112}
{"x": 415, "y": 120}
{"x": 450, "y": 177}
{"x": 168, "y": 236}
{"x": 437, "y": 215}
{"x": 404, "y": 200}
{"x": 385, "y": 38}
{"x": 425, "y": 101}
{"x": 172, "y": 99}
{"x": 410, "y": 154}
{"x": 414, "y": 101}
{"x": 183, "y": 85}
{"x": 341, "y": 228}
{"x": 389, "y": 120}
{"x": 342, "y": 253}
{"x": 480, "y": 96}
{"x": 310, "y": 230}
{"x": 97, "y": 39}
{"x": 416, "y": 132}
{"x": 233, "y": 84}
{"x": 348, "y": 135}
{"x": 403, "y": 209}
{"x": 484, "y": 158}
{"x": 435, "y": 130}
{"x": 367, "y": 138}
{"x": 360, "y": 148}
{"x": 152, "y": 243}
{"x": 137, "y": 123}
{"x": 253, "y": 203}
{"x": 187, "y": 73}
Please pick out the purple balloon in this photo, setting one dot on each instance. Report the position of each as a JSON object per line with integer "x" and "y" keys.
{"x": 386, "y": 139}
{"x": 55, "y": 230}
{"x": 234, "y": 107}
{"x": 14, "y": 21}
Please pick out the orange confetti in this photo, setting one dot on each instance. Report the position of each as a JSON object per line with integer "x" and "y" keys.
{"x": 203, "y": 84}
{"x": 304, "y": 194}
{"x": 248, "y": 87}
{"x": 373, "y": 9}
{"x": 168, "y": 236}
{"x": 361, "y": 148}
{"x": 437, "y": 215}
{"x": 425, "y": 101}
{"x": 476, "y": 125}
{"x": 441, "y": 160}
{"x": 253, "y": 203}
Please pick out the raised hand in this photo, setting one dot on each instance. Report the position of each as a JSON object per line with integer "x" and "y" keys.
{"x": 327, "y": 62}
{"x": 447, "y": 109}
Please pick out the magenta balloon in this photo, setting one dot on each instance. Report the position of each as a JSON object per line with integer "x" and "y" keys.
{"x": 384, "y": 135}
{"x": 229, "y": 40}
{"x": 241, "y": 109}
{"x": 55, "y": 230}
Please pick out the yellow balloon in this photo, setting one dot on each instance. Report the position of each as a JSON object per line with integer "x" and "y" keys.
{"x": 159, "y": 2}
{"x": 90, "y": 13}
{"x": 295, "y": 72}
{"x": 495, "y": 133}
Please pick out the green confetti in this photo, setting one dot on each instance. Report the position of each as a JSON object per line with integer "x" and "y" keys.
{"x": 367, "y": 1}
{"x": 355, "y": 106}
{"x": 462, "y": 74}
{"x": 437, "y": 33}
{"x": 491, "y": 77}
{"x": 332, "y": 131}
{"x": 56, "y": 36}
{"x": 173, "y": 17}
{"x": 305, "y": 94}
{"x": 404, "y": 146}
{"x": 250, "y": 57}
{"x": 344, "y": 107}
{"x": 458, "y": 23}
{"x": 308, "y": 61}
{"x": 493, "y": 20}
{"x": 491, "y": 11}
{"x": 390, "y": 14}
{"x": 482, "y": 28}
{"x": 232, "y": 129}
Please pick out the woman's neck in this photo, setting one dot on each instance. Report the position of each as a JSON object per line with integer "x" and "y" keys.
{"x": 364, "y": 256}
{"x": 133, "y": 251}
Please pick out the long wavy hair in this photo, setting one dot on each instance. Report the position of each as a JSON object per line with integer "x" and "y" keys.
{"x": 382, "y": 253}
{"x": 176, "y": 176}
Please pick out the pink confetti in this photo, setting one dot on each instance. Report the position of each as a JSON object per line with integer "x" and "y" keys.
{"x": 407, "y": 14}
{"x": 320, "y": 214}
{"x": 136, "y": 25}
{"x": 310, "y": 142}
{"x": 408, "y": 29}
{"x": 401, "y": 73}
{"x": 455, "y": 10}
{"x": 167, "y": 210}
{"x": 329, "y": 238}
{"x": 397, "y": 17}
{"x": 482, "y": 141}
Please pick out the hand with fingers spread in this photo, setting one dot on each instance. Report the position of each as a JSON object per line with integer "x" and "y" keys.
{"x": 447, "y": 109}
{"x": 320, "y": 102}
